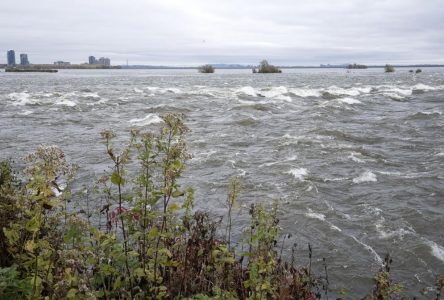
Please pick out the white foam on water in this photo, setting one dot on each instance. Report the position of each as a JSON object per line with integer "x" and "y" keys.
{"x": 172, "y": 90}
{"x": 284, "y": 98}
{"x": 439, "y": 154}
{"x": 423, "y": 87}
{"x": 26, "y": 112}
{"x": 139, "y": 91}
{"x": 149, "y": 119}
{"x": 314, "y": 215}
{"x": 404, "y": 91}
{"x": 429, "y": 113}
{"x": 65, "y": 102}
{"x": 21, "y": 99}
{"x": 353, "y": 157}
{"x": 349, "y": 100}
{"x": 394, "y": 96}
{"x": 90, "y": 95}
{"x": 275, "y": 92}
{"x": 247, "y": 90}
{"x": 437, "y": 250}
{"x": 301, "y": 92}
{"x": 387, "y": 234}
{"x": 334, "y": 90}
{"x": 298, "y": 173}
{"x": 368, "y": 248}
{"x": 321, "y": 217}
{"x": 367, "y": 176}
{"x": 152, "y": 88}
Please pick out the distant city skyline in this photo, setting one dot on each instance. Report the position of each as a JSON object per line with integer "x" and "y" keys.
{"x": 192, "y": 32}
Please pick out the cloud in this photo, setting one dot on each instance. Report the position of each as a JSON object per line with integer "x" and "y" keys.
{"x": 179, "y": 32}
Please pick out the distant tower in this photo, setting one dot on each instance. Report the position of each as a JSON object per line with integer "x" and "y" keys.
{"x": 24, "y": 59}
{"x": 11, "y": 57}
{"x": 92, "y": 60}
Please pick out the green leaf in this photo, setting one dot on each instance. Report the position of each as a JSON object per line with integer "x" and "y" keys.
{"x": 178, "y": 193}
{"x": 116, "y": 178}
{"x": 71, "y": 294}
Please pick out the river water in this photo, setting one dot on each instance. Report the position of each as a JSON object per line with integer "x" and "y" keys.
{"x": 355, "y": 159}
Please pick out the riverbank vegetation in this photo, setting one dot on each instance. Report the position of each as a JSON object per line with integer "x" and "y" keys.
{"x": 141, "y": 237}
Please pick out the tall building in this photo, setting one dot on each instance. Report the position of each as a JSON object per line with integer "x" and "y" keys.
{"x": 24, "y": 59}
{"x": 11, "y": 57}
{"x": 104, "y": 61}
{"x": 92, "y": 60}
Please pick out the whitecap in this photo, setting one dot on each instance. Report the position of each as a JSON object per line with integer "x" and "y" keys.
{"x": 298, "y": 173}
{"x": 400, "y": 232}
{"x": 26, "y": 112}
{"x": 21, "y": 99}
{"x": 172, "y": 90}
{"x": 349, "y": 100}
{"x": 423, "y": 87}
{"x": 90, "y": 96}
{"x": 149, "y": 119}
{"x": 314, "y": 215}
{"x": 334, "y": 90}
{"x": 354, "y": 158}
{"x": 370, "y": 249}
{"x": 138, "y": 90}
{"x": 274, "y": 92}
{"x": 394, "y": 96}
{"x": 66, "y": 102}
{"x": 437, "y": 250}
{"x": 367, "y": 176}
{"x": 301, "y": 92}
{"x": 247, "y": 90}
{"x": 393, "y": 89}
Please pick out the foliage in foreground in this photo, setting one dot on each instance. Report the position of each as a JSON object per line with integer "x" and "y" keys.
{"x": 144, "y": 240}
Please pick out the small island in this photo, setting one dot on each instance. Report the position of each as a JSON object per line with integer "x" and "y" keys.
{"x": 265, "y": 67}
{"x": 389, "y": 68}
{"x": 356, "y": 66}
{"x": 20, "y": 70}
{"x": 206, "y": 69}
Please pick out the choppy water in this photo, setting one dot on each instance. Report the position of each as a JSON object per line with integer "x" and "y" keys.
{"x": 355, "y": 159}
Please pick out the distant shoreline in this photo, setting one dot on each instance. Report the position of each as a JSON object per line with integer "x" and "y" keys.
{"x": 216, "y": 66}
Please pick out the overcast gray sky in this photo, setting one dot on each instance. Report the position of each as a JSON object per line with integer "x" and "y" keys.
{"x": 188, "y": 32}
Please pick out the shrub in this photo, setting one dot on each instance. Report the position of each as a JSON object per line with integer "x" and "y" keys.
{"x": 389, "y": 68}
{"x": 206, "y": 69}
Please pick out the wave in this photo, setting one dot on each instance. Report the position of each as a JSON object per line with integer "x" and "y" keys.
{"x": 425, "y": 115}
{"x": 148, "y": 120}
{"x": 321, "y": 217}
{"x": 437, "y": 250}
{"x": 370, "y": 249}
{"x": 314, "y": 215}
{"x": 21, "y": 99}
{"x": 349, "y": 100}
{"x": 353, "y": 157}
{"x": 298, "y": 173}
{"x": 65, "y": 102}
{"x": 247, "y": 90}
{"x": 304, "y": 93}
{"x": 367, "y": 176}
